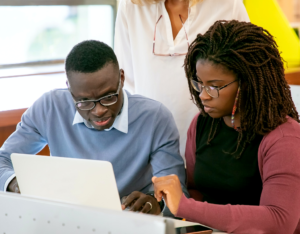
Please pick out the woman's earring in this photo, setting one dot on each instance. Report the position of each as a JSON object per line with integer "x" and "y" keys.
{"x": 234, "y": 108}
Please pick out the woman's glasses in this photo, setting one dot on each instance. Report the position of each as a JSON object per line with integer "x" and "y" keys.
{"x": 210, "y": 90}
{"x": 175, "y": 54}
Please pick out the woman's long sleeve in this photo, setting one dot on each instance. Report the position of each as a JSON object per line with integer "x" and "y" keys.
{"x": 122, "y": 47}
{"x": 279, "y": 209}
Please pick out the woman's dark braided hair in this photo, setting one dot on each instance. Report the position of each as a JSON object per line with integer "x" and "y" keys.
{"x": 251, "y": 53}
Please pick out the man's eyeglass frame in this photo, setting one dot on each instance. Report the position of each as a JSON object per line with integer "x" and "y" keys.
{"x": 175, "y": 54}
{"x": 207, "y": 87}
{"x": 99, "y": 100}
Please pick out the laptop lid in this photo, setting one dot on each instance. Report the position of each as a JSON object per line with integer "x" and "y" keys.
{"x": 78, "y": 181}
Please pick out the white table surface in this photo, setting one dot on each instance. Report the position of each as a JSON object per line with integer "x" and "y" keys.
{"x": 180, "y": 223}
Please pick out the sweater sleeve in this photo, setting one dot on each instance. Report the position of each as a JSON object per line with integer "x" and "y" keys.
{"x": 279, "y": 208}
{"x": 190, "y": 159}
{"x": 122, "y": 46}
{"x": 27, "y": 139}
{"x": 165, "y": 156}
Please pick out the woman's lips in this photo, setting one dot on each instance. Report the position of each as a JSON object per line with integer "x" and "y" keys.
{"x": 208, "y": 109}
{"x": 102, "y": 122}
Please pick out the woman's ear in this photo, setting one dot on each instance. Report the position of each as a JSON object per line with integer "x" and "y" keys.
{"x": 243, "y": 84}
{"x": 243, "y": 94}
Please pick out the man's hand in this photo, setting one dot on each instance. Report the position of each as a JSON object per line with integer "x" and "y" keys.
{"x": 13, "y": 186}
{"x": 141, "y": 202}
{"x": 169, "y": 188}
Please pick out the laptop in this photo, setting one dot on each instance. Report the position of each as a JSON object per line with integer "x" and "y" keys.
{"x": 77, "y": 181}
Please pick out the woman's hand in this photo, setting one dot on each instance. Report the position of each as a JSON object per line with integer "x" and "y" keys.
{"x": 169, "y": 188}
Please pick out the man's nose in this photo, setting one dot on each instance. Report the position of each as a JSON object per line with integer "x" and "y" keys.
{"x": 99, "y": 110}
{"x": 204, "y": 95}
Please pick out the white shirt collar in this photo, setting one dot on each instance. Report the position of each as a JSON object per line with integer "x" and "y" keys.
{"x": 121, "y": 122}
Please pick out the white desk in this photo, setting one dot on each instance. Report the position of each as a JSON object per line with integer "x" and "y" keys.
{"x": 21, "y": 214}
{"x": 179, "y": 223}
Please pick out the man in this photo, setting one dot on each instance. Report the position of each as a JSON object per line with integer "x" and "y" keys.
{"x": 96, "y": 119}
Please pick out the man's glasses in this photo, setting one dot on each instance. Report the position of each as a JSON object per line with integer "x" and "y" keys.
{"x": 211, "y": 90}
{"x": 104, "y": 101}
{"x": 175, "y": 54}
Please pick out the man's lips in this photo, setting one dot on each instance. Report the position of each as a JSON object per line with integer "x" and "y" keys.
{"x": 102, "y": 122}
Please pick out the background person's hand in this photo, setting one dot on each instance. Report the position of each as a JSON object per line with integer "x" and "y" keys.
{"x": 169, "y": 188}
{"x": 137, "y": 201}
{"x": 13, "y": 186}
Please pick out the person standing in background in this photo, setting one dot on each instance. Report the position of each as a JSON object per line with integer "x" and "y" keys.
{"x": 151, "y": 40}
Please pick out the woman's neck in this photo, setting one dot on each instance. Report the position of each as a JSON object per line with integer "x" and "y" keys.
{"x": 237, "y": 120}
{"x": 177, "y": 7}
{"x": 176, "y": 3}
{"x": 174, "y": 9}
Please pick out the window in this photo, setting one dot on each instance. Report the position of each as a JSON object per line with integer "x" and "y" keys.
{"x": 35, "y": 38}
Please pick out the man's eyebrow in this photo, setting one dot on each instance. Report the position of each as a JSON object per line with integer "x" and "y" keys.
{"x": 87, "y": 99}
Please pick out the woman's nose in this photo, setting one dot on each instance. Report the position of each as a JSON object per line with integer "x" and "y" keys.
{"x": 204, "y": 95}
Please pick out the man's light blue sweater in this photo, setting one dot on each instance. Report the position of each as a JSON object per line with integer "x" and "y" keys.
{"x": 150, "y": 148}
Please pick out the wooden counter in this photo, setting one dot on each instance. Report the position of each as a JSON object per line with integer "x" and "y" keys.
{"x": 8, "y": 122}
{"x": 292, "y": 76}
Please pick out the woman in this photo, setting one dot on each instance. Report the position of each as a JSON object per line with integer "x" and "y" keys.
{"x": 242, "y": 150}
{"x": 151, "y": 39}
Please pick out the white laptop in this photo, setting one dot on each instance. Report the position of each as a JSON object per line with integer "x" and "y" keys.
{"x": 76, "y": 181}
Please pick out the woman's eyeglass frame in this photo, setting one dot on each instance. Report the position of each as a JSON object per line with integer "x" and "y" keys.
{"x": 174, "y": 54}
{"x": 207, "y": 88}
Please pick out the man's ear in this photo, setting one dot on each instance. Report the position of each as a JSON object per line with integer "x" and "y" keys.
{"x": 122, "y": 74}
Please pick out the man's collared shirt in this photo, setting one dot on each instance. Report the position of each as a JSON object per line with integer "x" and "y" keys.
{"x": 120, "y": 123}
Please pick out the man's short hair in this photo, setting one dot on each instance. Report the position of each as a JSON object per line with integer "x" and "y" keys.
{"x": 90, "y": 56}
